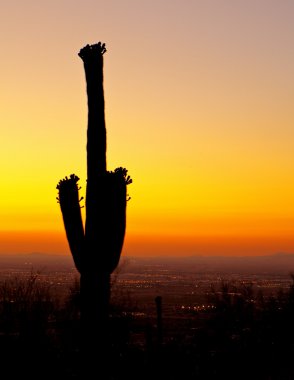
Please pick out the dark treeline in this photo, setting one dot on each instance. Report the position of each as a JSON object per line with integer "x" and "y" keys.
{"x": 244, "y": 335}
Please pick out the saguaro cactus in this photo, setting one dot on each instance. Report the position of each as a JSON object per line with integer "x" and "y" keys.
{"x": 96, "y": 249}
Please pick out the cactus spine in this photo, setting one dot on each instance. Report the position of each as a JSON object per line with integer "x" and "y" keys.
{"x": 95, "y": 250}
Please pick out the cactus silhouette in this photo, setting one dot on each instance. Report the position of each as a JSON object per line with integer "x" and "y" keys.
{"x": 96, "y": 249}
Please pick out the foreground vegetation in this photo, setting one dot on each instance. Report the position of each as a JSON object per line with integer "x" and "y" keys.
{"x": 245, "y": 335}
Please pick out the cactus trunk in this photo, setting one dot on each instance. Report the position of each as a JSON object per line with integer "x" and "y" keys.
{"x": 95, "y": 285}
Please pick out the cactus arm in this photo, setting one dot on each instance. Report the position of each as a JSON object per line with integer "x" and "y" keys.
{"x": 72, "y": 219}
{"x": 106, "y": 220}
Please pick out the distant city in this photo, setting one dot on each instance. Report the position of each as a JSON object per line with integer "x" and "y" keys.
{"x": 183, "y": 283}
{"x": 188, "y": 286}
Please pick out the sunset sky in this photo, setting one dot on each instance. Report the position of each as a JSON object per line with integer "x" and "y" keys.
{"x": 199, "y": 108}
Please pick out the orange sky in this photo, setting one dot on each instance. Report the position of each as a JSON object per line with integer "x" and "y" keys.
{"x": 199, "y": 107}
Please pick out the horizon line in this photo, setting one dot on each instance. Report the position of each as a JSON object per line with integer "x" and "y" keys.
{"x": 158, "y": 256}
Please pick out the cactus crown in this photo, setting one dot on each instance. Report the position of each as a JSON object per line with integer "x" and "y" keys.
{"x": 67, "y": 187}
{"x": 90, "y": 51}
{"x": 67, "y": 182}
{"x": 123, "y": 172}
